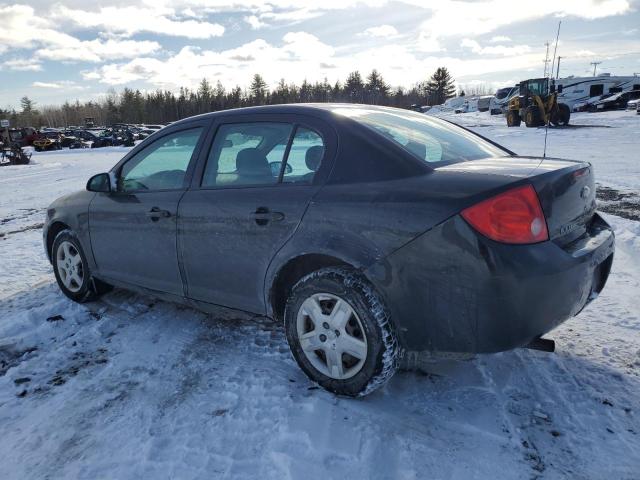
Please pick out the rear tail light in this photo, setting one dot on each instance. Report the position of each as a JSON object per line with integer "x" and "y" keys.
{"x": 514, "y": 216}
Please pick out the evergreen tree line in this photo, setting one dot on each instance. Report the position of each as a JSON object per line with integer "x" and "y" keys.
{"x": 162, "y": 106}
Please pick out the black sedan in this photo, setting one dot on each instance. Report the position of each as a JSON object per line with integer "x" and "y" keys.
{"x": 616, "y": 101}
{"x": 369, "y": 231}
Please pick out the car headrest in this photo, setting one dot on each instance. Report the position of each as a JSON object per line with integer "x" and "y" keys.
{"x": 313, "y": 157}
{"x": 417, "y": 148}
{"x": 251, "y": 161}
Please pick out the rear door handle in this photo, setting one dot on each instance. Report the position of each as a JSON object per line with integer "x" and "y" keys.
{"x": 156, "y": 213}
{"x": 263, "y": 216}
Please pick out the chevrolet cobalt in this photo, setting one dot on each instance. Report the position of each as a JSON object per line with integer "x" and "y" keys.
{"x": 369, "y": 231}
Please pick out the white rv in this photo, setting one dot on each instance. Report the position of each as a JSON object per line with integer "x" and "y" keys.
{"x": 579, "y": 92}
{"x": 499, "y": 102}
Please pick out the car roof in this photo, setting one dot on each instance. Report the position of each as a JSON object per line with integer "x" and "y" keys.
{"x": 321, "y": 110}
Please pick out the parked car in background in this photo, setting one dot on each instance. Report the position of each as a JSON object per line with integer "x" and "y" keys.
{"x": 617, "y": 101}
{"x": 633, "y": 104}
{"x": 49, "y": 140}
{"x": 586, "y": 105}
{"x": 367, "y": 230}
{"x": 484, "y": 103}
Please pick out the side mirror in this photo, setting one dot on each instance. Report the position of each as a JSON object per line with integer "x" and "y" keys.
{"x": 99, "y": 183}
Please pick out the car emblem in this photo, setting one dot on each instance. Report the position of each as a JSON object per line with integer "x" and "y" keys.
{"x": 585, "y": 192}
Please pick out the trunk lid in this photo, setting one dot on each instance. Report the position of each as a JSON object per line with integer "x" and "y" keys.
{"x": 566, "y": 188}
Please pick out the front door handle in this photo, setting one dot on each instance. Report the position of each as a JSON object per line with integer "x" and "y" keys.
{"x": 156, "y": 213}
{"x": 263, "y": 216}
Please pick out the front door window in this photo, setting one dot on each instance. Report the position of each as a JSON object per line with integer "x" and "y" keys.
{"x": 162, "y": 165}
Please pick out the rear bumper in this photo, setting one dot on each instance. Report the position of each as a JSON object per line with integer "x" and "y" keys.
{"x": 452, "y": 290}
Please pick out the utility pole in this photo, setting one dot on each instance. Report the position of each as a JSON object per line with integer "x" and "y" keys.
{"x": 558, "y": 67}
{"x": 546, "y": 60}
{"x": 595, "y": 65}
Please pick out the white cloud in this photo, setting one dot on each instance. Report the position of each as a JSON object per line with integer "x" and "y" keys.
{"x": 57, "y": 85}
{"x": 125, "y": 39}
{"x": 98, "y": 50}
{"x": 23, "y": 65}
{"x": 475, "y": 47}
{"x": 299, "y": 55}
{"x": 304, "y": 45}
{"x": 133, "y": 19}
{"x": 23, "y": 28}
{"x": 254, "y": 22}
{"x": 458, "y": 18}
{"x": 428, "y": 43}
{"x": 585, "y": 53}
{"x": 385, "y": 31}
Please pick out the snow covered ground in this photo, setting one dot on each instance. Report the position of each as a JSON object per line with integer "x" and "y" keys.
{"x": 131, "y": 387}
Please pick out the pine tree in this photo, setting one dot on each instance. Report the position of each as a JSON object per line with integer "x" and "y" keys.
{"x": 204, "y": 93}
{"x": 440, "y": 87}
{"x": 281, "y": 93}
{"x": 376, "y": 87}
{"x": 258, "y": 90}
{"x": 354, "y": 88}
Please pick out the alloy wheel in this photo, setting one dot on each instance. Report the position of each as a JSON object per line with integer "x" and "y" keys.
{"x": 69, "y": 266}
{"x": 331, "y": 336}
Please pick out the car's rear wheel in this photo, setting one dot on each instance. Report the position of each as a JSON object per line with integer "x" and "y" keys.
{"x": 340, "y": 333}
{"x": 72, "y": 270}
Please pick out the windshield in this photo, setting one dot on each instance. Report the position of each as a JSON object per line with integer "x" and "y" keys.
{"x": 431, "y": 140}
{"x": 503, "y": 92}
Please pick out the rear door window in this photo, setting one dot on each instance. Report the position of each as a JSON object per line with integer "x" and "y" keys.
{"x": 263, "y": 153}
{"x": 305, "y": 156}
{"x": 246, "y": 154}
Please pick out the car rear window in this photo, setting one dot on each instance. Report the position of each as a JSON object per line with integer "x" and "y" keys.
{"x": 431, "y": 140}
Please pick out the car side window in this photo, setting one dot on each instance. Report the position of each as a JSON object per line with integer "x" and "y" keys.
{"x": 305, "y": 156}
{"x": 162, "y": 165}
{"x": 245, "y": 154}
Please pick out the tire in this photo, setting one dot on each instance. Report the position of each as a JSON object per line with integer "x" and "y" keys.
{"x": 513, "y": 118}
{"x": 67, "y": 254}
{"x": 564, "y": 114}
{"x": 361, "y": 324}
{"x": 532, "y": 117}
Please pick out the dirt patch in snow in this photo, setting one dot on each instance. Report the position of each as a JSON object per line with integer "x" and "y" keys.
{"x": 11, "y": 356}
{"x": 615, "y": 202}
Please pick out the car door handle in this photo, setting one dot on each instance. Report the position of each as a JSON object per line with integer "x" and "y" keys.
{"x": 263, "y": 216}
{"x": 156, "y": 213}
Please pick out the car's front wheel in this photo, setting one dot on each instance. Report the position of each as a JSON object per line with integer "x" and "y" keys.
{"x": 340, "y": 333}
{"x": 72, "y": 270}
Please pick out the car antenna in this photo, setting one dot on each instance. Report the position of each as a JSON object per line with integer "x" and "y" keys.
{"x": 546, "y": 127}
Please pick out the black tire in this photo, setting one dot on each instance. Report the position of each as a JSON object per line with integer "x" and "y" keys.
{"x": 532, "y": 117}
{"x": 564, "y": 114}
{"x": 513, "y": 118}
{"x": 90, "y": 288}
{"x": 383, "y": 350}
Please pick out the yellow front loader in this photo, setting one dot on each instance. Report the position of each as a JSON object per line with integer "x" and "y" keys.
{"x": 537, "y": 105}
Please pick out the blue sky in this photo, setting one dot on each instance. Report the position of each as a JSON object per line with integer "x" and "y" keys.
{"x": 74, "y": 49}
